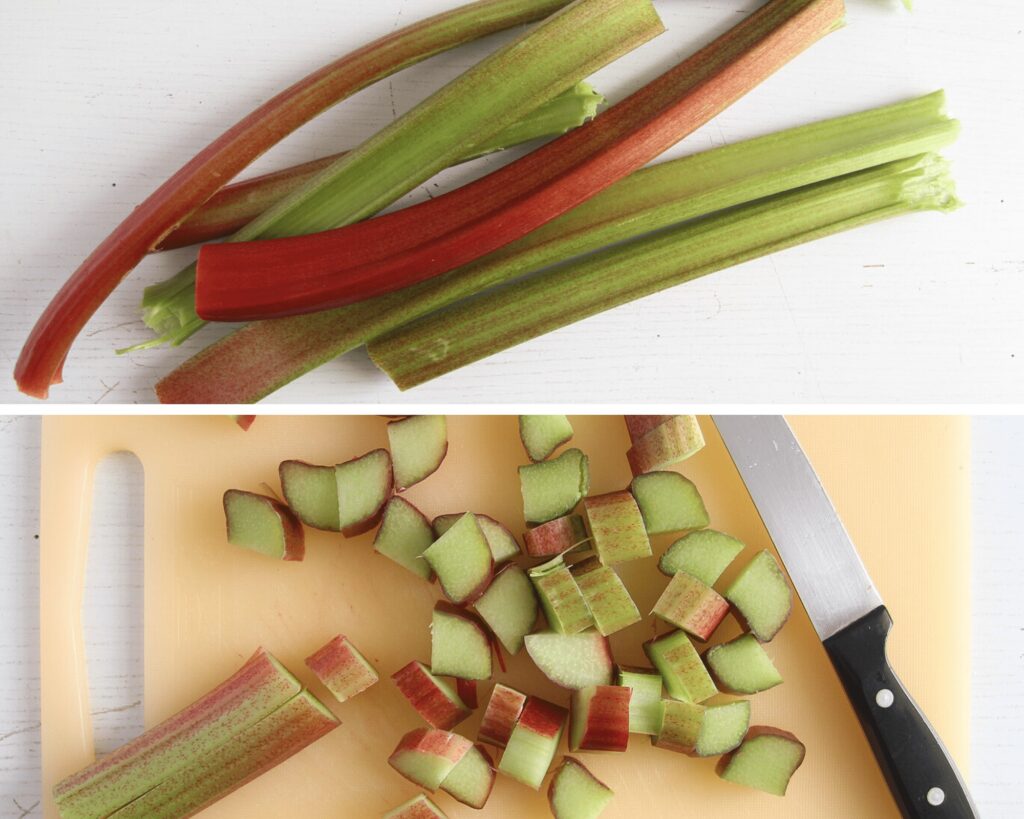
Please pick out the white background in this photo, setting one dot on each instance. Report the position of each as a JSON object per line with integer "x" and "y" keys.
{"x": 113, "y": 615}
{"x": 101, "y": 101}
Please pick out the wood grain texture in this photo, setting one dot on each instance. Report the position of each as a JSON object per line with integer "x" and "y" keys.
{"x": 108, "y": 98}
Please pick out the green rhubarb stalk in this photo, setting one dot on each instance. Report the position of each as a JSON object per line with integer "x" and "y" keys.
{"x": 234, "y": 206}
{"x": 441, "y": 342}
{"x": 211, "y": 776}
{"x": 262, "y": 357}
{"x": 259, "y": 688}
{"x": 491, "y": 96}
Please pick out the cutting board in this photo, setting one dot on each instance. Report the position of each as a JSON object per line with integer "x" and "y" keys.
{"x": 900, "y": 484}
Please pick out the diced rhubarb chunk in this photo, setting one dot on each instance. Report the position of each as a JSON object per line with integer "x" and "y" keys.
{"x": 533, "y": 742}
{"x": 264, "y": 525}
{"x": 312, "y": 493}
{"x": 645, "y": 700}
{"x": 418, "y": 445}
{"x": 459, "y": 645}
{"x": 503, "y": 544}
{"x": 543, "y": 434}
{"x": 419, "y": 807}
{"x": 564, "y": 606}
{"x": 688, "y": 604}
{"x": 433, "y": 698}
{"x": 425, "y": 756}
{"x": 639, "y": 425}
{"x": 552, "y": 489}
{"x": 681, "y": 668}
{"x": 572, "y": 660}
{"x": 509, "y": 607}
{"x": 705, "y": 554}
{"x": 599, "y": 718}
{"x": 672, "y": 441}
{"x": 700, "y": 730}
{"x": 606, "y": 596}
{"x": 668, "y": 502}
{"x": 766, "y": 760}
{"x": 472, "y": 779}
{"x": 404, "y": 535}
{"x": 556, "y": 536}
{"x": 742, "y": 666}
{"x": 616, "y": 527}
{"x": 342, "y": 669}
{"x": 762, "y": 596}
{"x": 575, "y": 793}
{"x": 462, "y": 560}
{"x": 364, "y": 486}
{"x": 501, "y": 715}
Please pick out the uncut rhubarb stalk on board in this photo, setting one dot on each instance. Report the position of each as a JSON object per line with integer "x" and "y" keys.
{"x": 252, "y": 280}
{"x": 467, "y": 112}
{"x": 42, "y": 358}
{"x": 477, "y": 328}
{"x": 258, "y": 359}
{"x": 260, "y": 687}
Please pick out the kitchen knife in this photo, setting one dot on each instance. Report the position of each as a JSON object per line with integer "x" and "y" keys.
{"x": 846, "y": 611}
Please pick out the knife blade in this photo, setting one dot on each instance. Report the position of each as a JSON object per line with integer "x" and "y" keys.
{"x": 847, "y": 612}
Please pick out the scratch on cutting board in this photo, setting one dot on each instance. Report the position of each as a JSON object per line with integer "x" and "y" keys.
{"x": 118, "y": 708}
{"x": 23, "y": 730}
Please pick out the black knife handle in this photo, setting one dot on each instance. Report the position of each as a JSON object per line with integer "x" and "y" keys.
{"x": 921, "y": 776}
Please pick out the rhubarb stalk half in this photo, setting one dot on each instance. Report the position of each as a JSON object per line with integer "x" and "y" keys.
{"x": 301, "y": 274}
{"x": 42, "y": 358}
{"x": 444, "y": 341}
{"x": 255, "y": 360}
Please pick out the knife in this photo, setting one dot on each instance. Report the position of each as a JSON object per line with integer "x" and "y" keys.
{"x": 846, "y": 611}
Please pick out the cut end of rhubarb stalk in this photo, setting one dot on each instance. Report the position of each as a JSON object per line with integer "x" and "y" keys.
{"x": 472, "y": 779}
{"x": 342, "y": 669}
{"x": 543, "y": 434}
{"x": 762, "y": 596}
{"x": 459, "y": 645}
{"x": 565, "y": 607}
{"x": 575, "y": 793}
{"x": 766, "y": 760}
{"x": 556, "y": 537}
{"x": 670, "y": 442}
{"x": 599, "y": 718}
{"x": 501, "y": 715}
{"x": 433, "y": 698}
{"x": 689, "y": 604}
{"x": 742, "y": 666}
{"x": 553, "y": 488}
{"x": 681, "y": 668}
{"x": 533, "y": 742}
{"x": 418, "y": 445}
{"x": 668, "y": 502}
{"x": 704, "y": 554}
{"x": 509, "y": 607}
{"x": 425, "y": 756}
{"x": 364, "y": 485}
{"x": 404, "y": 535}
{"x": 503, "y": 544}
{"x": 606, "y": 596}
{"x": 572, "y": 660}
{"x": 312, "y": 493}
{"x": 462, "y": 560}
{"x": 264, "y": 525}
{"x": 616, "y": 528}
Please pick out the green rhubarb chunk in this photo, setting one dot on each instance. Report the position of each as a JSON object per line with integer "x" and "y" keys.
{"x": 668, "y": 502}
{"x": 259, "y": 688}
{"x": 645, "y": 702}
{"x": 681, "y": 668}
{"x": 425, "y": 756}
{"x": 673, "y": 440}
{"x": 553, "y": 488}
{"x": 766, "y": 761}
{"x": 679, "y": 729}
{"x": 459, "y": 647}
{"x": 571, "y": 660}
{"x": 563, "y": 603}
{"x": 472, "y": 778}
{"x": 263, "y": 525}
{"x": 404, "y": 535}
{"x": 705, "y": 554}
{"x": 616, "y": 528}
{"x": 462, "y": 560}
{"x": 743, "y": 666}
{"x": 606, "y": 596}
{"x": 689, "y": 604}
{"x": 503, "y": 544}
{"x": 418, "y": 445}
{"x": 364, "y": 485}
{"x": 533, "y": 742}
{"x": 312, "y": 493}
{"x": 575, "y": 793}
{"x": 211, "y": 776}
{"x": 723, "y": 728}
{"x": 509, "y": 607}
{"x": 419, "y": 807}
{"x": 543, "y": 434}
{"x": 762, "y": 596}
{"x": 342, "y": 669}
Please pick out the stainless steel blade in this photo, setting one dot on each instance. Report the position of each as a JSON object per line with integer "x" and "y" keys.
{"x": 820, "y": 557}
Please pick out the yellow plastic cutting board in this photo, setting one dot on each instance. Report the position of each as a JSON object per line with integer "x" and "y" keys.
{"x": 900, "y": 485}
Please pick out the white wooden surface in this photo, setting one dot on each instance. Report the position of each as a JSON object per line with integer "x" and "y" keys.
{"x": 113, "y": 610}
{"x": 100, "y": 101}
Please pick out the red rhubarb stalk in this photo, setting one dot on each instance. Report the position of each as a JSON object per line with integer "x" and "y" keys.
{"x": 42, "y": 358}
{"x": 295, "y": 275}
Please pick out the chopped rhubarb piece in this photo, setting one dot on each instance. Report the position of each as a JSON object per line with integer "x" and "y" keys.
{"x": 564, "y": 606}
{"x": 364, "y": 486}
{"x": 312, "y": 493}
{"x": 705, "y": 554}
{"x": 556, "y": 536}
{"x": 599, "y": 718}
{"x": 466, "y": 689}
{"x": 606, "y": 595}
{"x": 211, "y": 776}
{"x": 418, "y": 445}
{"x": 766, "y": 760}
{"x": 419, "y": 807}
{"x": 670, "y": 442}
{"x": 668, "y": 502}
{"x": 616, "y": 527}
{"x": 264, "y": 525}
{"x": 462, "y": 560}
{"x": 575, "y": 793}
{"x": 645, "y": 702}
{"x": 692, "y": 606}
{"x": 762, "y": 596}
{"x": 572, "y": 660}
{"x": 503, "y": 544}
{"x": 680, "y": 726}
{"x": 472, "y": 778}
{"x": 533, "y": 742}
{"x": 342, "y": 669}
{"x": 509, "y": 607}
{"x": 553, "y": 488}
{"x": 501, "y": 715}
{"x": 742, "y": 666}
{"x": 543, "y": 434}
{"x": 700, "y": 730}
{"x": 681, "y": 669}
{"x": 404, "y": 535}
{"x": 459, "y": 645}
{"x": 257, "y": 689}
{"x": 637, "y": 426}
{"x": 433, "y": 698}
{"x": 425, "y": 756}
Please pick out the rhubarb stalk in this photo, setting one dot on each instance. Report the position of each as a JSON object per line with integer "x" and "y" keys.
{"x": 444, "y": 341}
{"x": 260, "y": 358}
{"x": 301, "y": 274}
{"x": 42, "y": 358}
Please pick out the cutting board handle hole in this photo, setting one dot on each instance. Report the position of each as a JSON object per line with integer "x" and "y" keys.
{"x": 112, "y": 602}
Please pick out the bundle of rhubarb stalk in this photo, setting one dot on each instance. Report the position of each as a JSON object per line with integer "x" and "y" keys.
{"x": 559, "y": 596}
{"x": 575, "y": 227}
